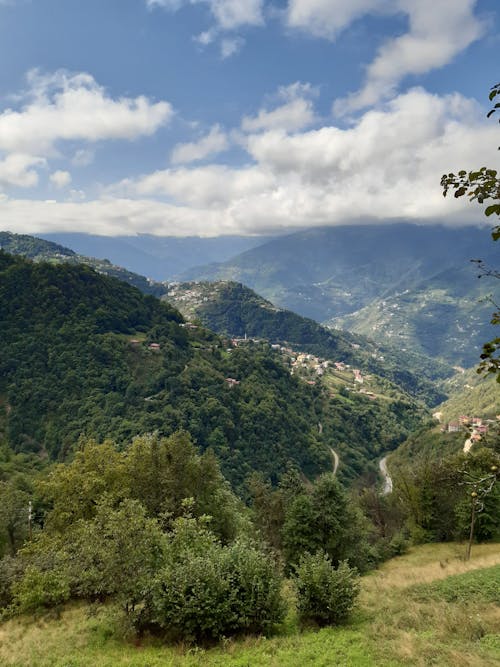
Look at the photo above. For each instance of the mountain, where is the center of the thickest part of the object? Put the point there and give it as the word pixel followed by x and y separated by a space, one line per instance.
pixel 328 274
pixel 447 316
pixel 232 309
pixel 40 250
pixel 86 353
pixel 470 394
pixel 158 257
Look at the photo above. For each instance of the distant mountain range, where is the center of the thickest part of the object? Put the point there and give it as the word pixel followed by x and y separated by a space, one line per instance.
pixel 409 284
pixel 447 316
pixel 158 258
pixel 40 250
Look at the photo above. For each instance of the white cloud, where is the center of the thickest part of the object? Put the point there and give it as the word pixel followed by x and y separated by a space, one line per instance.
pixel 326 18
pixel 60 178
pixel 205 38
pixel 112 217
pixel 228 14
pixel 230 46
pixel 295 114
pixel 213 185
pixel 83 157
pixel 17 169
pixel 291 116
pixel 387 166
pixel 214 142
pixel 67 106
pixel 438 31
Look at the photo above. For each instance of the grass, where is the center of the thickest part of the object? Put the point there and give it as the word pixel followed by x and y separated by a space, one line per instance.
pixel 477 585
pixel 408 614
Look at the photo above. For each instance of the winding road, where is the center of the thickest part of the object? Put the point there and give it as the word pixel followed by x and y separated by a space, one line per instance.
pixel 334 454
pixel 385 474
pixel 336 460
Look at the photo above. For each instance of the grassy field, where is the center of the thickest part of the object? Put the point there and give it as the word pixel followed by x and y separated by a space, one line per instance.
pixel 428 607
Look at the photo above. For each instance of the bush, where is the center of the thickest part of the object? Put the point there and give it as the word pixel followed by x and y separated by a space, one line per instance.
pixel 325 595
pixel 256 601
pixel 40 590
pixel 206 591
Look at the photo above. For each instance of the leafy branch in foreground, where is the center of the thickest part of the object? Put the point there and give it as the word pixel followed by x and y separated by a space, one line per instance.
pixel 483 186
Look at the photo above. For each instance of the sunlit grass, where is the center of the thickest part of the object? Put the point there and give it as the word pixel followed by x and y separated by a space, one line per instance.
pixel 392 626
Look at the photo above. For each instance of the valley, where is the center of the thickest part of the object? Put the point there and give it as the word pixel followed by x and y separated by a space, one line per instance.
pixel 249 333
pixel 212 423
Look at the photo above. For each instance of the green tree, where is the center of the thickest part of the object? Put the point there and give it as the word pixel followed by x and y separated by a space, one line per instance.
pixel 206 590
pixel 164 472
pixel 325 518
pixel 73 491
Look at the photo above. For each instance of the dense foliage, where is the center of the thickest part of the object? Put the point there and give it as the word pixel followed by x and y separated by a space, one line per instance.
pixel 432 489
pixel 69 365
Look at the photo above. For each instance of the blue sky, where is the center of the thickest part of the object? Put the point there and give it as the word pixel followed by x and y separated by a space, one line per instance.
pixel 180 117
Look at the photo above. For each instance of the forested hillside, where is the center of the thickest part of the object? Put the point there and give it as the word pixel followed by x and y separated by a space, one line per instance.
pixel 231 308
pixel 83 353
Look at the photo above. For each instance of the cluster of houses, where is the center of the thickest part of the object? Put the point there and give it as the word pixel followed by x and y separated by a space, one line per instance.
pixel 476 425
pixel 308 361
pixel 154 347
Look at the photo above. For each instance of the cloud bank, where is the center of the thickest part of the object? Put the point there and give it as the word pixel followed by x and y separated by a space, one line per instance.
pixel 387 166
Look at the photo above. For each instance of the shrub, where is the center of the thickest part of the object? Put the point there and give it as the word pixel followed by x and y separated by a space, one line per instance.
pixel 325 595
pixel 206 591
pixel 40 590
pixel 256 601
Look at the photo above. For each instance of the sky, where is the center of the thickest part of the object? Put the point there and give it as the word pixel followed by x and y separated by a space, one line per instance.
pixel 217 117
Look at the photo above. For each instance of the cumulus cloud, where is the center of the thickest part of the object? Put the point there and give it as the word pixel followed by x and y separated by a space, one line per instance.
pixel 19 170
pixel 65 106
pixel 213 185
pixel 296 113
pixel 205 38
pixel 214 142
pixel 327 18
pixel 387 166
pixel 83 157
pixel 228 14
pixel 230 46
pixel 384 167
pixel 438 31
pixel 60 178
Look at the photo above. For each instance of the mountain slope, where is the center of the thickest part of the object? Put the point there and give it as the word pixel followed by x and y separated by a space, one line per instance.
pixel 159 258
pixel 330 272
pixel 447 316
pixel 85 353
pixel 233 309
